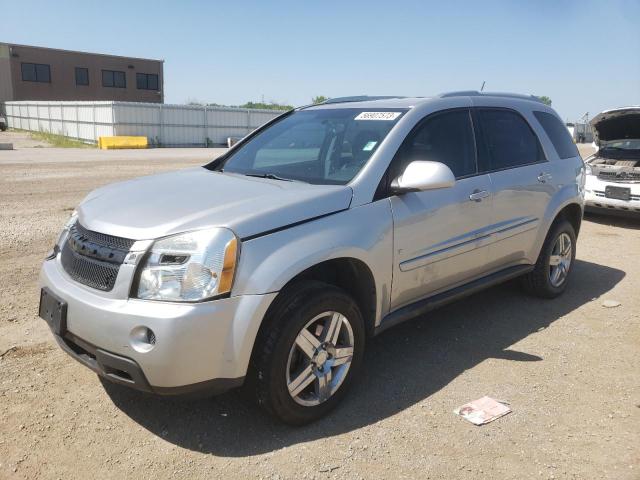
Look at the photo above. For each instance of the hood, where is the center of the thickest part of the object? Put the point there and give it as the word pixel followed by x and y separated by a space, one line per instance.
pixel 618 124
pixel 159 205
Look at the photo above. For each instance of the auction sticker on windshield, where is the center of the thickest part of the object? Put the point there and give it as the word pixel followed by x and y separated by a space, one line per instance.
pixel 378 115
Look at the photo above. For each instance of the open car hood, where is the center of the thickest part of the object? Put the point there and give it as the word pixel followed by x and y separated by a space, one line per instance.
pixel 617 124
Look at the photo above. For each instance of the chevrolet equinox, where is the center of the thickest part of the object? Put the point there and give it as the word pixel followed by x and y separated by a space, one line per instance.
pixel 270 267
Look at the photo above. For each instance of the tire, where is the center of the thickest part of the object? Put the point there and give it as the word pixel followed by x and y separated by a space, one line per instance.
pixel 278 363
pixel 541 281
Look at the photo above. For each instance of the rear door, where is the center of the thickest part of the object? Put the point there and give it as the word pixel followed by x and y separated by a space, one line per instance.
pixel 440 235
pixel 510 151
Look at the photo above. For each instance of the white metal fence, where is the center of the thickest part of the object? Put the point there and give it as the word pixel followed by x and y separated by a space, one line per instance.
pixel 163 125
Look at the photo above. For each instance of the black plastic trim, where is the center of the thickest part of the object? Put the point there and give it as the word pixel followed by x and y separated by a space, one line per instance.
pixel 431 303
pixel 125 371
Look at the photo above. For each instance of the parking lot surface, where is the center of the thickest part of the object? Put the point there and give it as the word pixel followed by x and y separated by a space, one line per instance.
pixel 568 368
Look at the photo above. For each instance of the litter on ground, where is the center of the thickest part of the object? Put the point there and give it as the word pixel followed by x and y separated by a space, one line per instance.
pixel 483 410
pixel 611 303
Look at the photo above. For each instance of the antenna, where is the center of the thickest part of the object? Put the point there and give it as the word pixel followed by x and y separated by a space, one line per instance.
pixel 482 87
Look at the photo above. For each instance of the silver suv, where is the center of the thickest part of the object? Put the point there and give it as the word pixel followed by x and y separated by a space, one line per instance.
pixel 274 264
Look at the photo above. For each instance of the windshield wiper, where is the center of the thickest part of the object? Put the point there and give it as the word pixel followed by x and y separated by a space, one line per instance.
pixel 272 176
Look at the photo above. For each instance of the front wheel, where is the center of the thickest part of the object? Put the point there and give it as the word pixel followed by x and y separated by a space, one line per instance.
pixel 308 352
pixel 550 275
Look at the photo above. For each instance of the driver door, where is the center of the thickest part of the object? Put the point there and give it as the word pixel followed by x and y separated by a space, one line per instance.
pixel 440 236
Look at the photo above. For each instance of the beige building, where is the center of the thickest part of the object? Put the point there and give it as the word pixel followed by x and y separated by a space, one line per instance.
pixel 37 73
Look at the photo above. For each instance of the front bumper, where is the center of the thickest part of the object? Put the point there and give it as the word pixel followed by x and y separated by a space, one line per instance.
pixel 595 199
pixel 197 346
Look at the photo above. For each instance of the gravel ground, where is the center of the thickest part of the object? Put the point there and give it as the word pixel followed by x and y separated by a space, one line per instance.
pixel 568 368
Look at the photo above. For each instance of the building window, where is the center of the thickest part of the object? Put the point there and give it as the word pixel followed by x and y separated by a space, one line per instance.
pixel 113 78
pixel 82 76
pixel 147 81
pixel 36 72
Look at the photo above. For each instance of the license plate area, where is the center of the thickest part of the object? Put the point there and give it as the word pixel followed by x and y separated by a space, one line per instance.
pixel 53 310
pixel 618 193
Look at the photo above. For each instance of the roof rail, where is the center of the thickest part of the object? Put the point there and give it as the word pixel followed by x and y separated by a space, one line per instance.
pixel 475 93
pixel 360 98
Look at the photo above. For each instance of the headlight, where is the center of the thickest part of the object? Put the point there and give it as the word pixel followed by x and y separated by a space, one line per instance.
pixel 587 169
pixel 189 267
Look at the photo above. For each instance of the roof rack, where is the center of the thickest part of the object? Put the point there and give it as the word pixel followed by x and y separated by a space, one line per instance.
pixel 475 93
pixel 359 98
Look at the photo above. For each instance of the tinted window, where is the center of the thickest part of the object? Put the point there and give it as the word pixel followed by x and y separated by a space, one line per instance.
pixel 507 140
pixel 141 81
pixel 152 82
pixel 323 146
pixel 28 72
pixel 558 134
pixel 119 80
pixel 82 76
pixel 146 81
pixel 43 74
pixel 446 138
pixel 36 72
pixel 111 78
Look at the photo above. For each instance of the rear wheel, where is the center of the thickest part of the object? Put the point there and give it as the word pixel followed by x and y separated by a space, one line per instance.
pixel 308 352
pixel 551 272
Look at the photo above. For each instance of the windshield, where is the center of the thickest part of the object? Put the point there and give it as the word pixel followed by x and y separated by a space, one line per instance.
pixel 321 146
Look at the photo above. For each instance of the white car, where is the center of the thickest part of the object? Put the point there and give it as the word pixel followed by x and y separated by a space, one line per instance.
pixel 613 172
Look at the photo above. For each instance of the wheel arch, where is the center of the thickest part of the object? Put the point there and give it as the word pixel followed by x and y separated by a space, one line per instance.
pixel 571 212
pixel 349 274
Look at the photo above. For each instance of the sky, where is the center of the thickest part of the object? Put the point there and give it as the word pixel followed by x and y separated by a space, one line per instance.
pixel 584 55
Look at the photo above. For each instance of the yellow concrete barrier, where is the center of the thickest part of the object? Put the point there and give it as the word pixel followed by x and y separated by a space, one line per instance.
pixel 107 143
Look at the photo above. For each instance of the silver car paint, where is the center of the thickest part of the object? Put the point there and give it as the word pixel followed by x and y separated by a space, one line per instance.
pixel 195 198
pixel 415 244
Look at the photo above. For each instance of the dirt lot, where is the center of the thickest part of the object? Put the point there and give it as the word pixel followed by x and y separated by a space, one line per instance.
pixel 568 368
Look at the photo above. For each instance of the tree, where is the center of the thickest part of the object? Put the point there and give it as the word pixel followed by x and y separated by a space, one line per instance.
pixel 319 99
pixel 544 99
pixel 266 106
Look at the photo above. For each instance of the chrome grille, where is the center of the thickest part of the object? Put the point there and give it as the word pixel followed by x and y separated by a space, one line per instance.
pixel 93 258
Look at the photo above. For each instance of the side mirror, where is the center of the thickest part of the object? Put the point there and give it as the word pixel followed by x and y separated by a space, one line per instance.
pixel 423 175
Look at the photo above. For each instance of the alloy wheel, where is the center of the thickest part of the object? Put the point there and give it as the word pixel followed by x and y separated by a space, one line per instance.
pixel 560 260
pixel 320 358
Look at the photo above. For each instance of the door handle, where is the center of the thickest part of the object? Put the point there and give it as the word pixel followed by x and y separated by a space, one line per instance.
pixel 478 195
pixel 544 177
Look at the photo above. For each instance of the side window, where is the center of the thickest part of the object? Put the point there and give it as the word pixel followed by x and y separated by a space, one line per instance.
pixel 507 140
pixel 558 134
pixel 444 137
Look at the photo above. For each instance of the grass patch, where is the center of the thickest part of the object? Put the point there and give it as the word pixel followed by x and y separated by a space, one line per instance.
pixel 60 141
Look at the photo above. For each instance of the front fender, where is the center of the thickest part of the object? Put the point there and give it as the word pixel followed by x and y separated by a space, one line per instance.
pixel 364 233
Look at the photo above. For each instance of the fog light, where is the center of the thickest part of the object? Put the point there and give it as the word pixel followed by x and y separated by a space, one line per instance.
pixel 142 339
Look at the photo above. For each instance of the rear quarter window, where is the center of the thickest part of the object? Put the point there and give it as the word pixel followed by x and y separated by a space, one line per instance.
pixel 558 134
